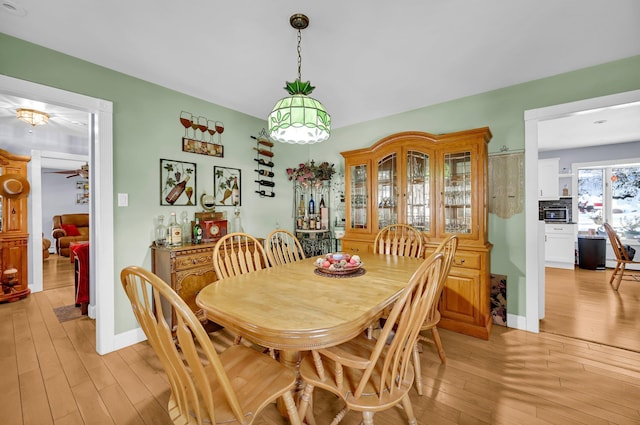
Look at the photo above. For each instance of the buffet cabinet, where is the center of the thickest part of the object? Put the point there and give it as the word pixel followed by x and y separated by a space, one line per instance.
pixel 14 230
pixel 437 184
pixel 188 269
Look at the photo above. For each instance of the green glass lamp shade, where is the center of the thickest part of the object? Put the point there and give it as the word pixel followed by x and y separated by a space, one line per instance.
pixel 299 119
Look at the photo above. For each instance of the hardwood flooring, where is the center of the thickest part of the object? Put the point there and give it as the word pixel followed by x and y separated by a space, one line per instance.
pixel 581 304
pixel 57 272
pixel 51 374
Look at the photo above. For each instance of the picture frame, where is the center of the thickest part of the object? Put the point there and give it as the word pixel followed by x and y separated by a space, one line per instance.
pixel 82 198
pixel 202 148
pixel 227 186
pixel 172 176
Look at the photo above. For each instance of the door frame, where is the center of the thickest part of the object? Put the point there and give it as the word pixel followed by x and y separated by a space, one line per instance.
pixel 101 200
pixel 534 276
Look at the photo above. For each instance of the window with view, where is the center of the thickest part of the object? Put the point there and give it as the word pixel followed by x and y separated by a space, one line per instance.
pixel 610 193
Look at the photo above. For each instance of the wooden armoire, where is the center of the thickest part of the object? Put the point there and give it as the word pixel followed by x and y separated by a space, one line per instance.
pixel 438 184
pixel 14 235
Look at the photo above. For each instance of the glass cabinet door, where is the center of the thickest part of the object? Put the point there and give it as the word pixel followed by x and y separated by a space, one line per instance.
pixel 457 192
pixel 387 191
pixel 418 211
pixel 359 197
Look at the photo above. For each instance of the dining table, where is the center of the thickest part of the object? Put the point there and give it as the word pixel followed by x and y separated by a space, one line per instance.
pixel 294 307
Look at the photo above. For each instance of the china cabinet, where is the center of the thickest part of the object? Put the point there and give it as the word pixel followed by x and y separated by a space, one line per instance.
pixel 438 184
pixel 14 233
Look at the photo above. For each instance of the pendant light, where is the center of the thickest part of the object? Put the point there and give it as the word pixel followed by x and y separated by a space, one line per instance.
pixel 299 119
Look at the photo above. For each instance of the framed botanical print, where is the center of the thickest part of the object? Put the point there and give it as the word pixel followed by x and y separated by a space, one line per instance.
pixel 226 182
pixel 177 182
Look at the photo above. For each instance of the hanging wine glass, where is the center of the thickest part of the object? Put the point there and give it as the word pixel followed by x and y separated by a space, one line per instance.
pixel 202 126
pixel 211 128
pixel 220 130
pixel 186 119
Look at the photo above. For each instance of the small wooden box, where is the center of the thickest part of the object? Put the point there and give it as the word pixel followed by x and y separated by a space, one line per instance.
pixel 209 216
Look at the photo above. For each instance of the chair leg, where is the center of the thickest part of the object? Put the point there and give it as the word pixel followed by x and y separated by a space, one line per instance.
pixel 341 414
pixel 619 273
pixel 438 342
pixel 408 408
pixel 304 402
pixel 294 418
pixel 417 369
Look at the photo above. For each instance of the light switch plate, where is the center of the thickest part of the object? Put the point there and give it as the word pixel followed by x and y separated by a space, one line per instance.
pixel 123 199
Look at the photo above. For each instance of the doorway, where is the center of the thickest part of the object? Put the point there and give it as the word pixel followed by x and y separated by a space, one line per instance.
pixel 535 283
pixel 101 207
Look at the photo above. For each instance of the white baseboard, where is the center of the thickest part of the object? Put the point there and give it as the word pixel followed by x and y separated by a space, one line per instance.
pixel 516 322
pixel 128 338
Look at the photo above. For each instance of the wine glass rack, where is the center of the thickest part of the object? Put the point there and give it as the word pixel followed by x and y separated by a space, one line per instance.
pixel 264 170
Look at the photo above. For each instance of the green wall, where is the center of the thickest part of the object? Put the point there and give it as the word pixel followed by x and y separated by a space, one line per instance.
pixel 146 128
pixel 503 111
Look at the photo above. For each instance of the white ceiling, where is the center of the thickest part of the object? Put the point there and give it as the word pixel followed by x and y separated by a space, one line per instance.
pixel 368 59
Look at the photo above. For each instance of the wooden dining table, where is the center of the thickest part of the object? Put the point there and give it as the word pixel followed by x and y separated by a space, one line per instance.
pixel 291 308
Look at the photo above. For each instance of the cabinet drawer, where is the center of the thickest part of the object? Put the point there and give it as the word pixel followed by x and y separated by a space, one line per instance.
pixel 559 228
pixel 193 260
pixel 464 259
pixel 353 247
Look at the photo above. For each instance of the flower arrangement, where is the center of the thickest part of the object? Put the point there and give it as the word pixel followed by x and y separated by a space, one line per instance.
pixel 310 172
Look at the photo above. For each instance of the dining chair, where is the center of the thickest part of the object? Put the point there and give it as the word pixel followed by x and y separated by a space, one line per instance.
pixel 230 387
pixel 623 259
pixel 448 249
pixel 238 253
pixel 283 247
pixel 399 239
pixel 371 375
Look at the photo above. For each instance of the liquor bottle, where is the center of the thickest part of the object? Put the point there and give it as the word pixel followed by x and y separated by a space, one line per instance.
pixel 235 192
pixel 301 206
pixel 177 191
pixel 322 201
pixel 263 162
pixel 197 232
pixel 161 232
pixel 265 183
pixel 312 205
pixel 175 231
pixel 318 223
pixel 265 173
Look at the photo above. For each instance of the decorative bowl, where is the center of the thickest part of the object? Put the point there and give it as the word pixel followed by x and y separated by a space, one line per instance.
pixel 338 263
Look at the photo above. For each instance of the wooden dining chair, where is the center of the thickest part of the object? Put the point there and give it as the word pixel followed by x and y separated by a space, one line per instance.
pixel 623 259
pixel 238 253
pixel 371 375
pixel 399 239
pixel 283 247
pixel 206 387
pixel 448 249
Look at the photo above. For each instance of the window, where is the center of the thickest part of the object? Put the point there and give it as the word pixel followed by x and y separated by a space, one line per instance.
pixel 611 193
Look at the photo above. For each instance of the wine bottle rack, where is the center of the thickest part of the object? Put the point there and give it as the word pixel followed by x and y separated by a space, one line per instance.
pixel 264 160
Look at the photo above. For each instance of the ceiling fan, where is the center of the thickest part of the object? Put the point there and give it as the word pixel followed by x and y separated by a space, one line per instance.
pixel 81 172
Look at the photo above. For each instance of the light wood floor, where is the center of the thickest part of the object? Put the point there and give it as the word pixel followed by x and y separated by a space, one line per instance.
pixel 580 303
pixel 50 374
pixel 57 272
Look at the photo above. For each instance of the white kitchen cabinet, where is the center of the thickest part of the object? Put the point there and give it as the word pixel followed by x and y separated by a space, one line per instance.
pixel 559 245
pixel 548 179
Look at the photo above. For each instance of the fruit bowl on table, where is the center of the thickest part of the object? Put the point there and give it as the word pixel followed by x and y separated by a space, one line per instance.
pixel 338 263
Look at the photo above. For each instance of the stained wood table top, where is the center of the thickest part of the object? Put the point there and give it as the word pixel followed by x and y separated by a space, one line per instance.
pixel 290 307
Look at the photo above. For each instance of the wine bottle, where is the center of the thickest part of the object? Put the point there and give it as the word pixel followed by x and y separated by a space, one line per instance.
pixel 264 152
pixel 177 191
pixel 322 201
pixel 264 193
pixel 197 232
pixel 301 206
pixel 312 205
pixel 263 141
pixel 235 192
pixel 263 162
pixel 265 183
pixel 265 173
